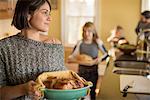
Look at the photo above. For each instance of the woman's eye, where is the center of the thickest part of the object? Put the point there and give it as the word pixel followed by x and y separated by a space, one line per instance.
pixel 46 13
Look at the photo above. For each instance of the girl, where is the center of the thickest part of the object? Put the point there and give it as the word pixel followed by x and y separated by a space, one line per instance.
pixel 89 45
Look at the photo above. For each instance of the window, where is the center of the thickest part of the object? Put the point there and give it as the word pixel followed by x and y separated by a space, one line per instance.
pixel 145 5
pixel 74 14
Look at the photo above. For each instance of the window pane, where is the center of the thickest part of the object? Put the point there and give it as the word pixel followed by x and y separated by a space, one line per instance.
pixel 80 7
pixel 75 28
pixel 145 5
pixel 76 14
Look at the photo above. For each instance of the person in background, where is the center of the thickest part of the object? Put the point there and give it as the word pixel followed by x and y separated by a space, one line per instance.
pixel 115 39
pixel 143 27
pixel 89 45
pixel 29 53
pixel 144 22
pixel 117 36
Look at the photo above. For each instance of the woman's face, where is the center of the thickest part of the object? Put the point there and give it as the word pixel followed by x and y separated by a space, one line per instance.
pixel 88 34
pixel 40 19
pixel 143 19
pixel 148 20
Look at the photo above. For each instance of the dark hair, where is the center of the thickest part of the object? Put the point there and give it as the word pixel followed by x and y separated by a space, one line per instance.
pixel 23 8
pixel 146 14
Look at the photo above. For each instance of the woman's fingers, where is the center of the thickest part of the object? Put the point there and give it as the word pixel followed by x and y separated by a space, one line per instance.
pixel 36 93
pixel 53 41
pixel 56 41
pixel 32 91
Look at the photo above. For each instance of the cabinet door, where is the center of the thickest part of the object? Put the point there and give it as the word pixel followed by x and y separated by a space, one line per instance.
pixel 7 8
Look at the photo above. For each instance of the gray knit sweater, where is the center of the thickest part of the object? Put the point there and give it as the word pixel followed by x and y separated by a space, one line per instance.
pixel 23 59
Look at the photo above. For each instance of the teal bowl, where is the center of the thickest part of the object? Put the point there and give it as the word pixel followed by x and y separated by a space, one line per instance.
pixel 74 94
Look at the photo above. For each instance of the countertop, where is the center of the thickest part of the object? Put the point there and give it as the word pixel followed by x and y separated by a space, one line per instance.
pixel 139 84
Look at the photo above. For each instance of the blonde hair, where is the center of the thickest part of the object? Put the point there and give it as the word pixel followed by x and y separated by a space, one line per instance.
pixel 91 26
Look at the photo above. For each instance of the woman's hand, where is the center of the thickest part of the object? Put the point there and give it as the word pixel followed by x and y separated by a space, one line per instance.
pixel 13 92
pixel 32 91
pixel 52 41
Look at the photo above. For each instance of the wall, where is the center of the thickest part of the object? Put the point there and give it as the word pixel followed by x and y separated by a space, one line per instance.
pixel 119 12
pixel 55 24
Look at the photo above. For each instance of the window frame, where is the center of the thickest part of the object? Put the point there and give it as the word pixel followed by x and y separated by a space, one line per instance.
pixel 145 5
pixel 63 20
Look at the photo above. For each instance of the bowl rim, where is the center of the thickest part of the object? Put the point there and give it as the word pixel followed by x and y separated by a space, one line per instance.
pixel 121 48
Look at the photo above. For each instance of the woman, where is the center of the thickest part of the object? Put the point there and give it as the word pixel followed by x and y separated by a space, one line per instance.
pixel 29 53
pixel 144 22
pixel 89 45
pixel 143 27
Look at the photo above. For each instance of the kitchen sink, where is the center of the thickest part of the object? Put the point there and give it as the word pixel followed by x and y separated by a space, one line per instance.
pixel 131 64
pixel 128 65
pixel 131 71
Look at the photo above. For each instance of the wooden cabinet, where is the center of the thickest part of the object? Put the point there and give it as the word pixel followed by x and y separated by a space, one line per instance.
pixel 7 8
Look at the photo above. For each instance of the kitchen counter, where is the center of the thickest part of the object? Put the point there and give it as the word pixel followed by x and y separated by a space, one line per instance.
pixel 139 84
pixel 132 74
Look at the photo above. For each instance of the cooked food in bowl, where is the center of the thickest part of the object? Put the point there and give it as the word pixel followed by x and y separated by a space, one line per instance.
pixel 62 85
pixel 127 48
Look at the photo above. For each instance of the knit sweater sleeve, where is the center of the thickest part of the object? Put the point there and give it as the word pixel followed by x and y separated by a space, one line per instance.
pixel 58 58
pixel 2 72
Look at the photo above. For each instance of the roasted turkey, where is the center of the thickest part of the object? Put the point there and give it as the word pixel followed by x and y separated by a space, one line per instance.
pixel 63 83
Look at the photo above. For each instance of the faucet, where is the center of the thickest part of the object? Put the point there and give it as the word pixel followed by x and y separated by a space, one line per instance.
pixel 129 85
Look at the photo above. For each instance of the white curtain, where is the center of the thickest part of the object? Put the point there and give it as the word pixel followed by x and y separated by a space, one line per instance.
pixel 145 5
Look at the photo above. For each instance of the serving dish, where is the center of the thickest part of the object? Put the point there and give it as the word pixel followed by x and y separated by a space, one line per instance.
pixel 73 94
pixel 127 48
pixel 62 94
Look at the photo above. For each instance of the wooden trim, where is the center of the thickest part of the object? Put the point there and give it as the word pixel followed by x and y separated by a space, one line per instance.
pixel 7 8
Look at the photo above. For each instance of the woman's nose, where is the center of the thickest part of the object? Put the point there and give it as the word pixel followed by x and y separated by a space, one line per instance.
pixel 49 18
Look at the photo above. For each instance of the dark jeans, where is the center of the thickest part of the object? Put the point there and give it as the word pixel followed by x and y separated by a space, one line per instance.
pixel 90 73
